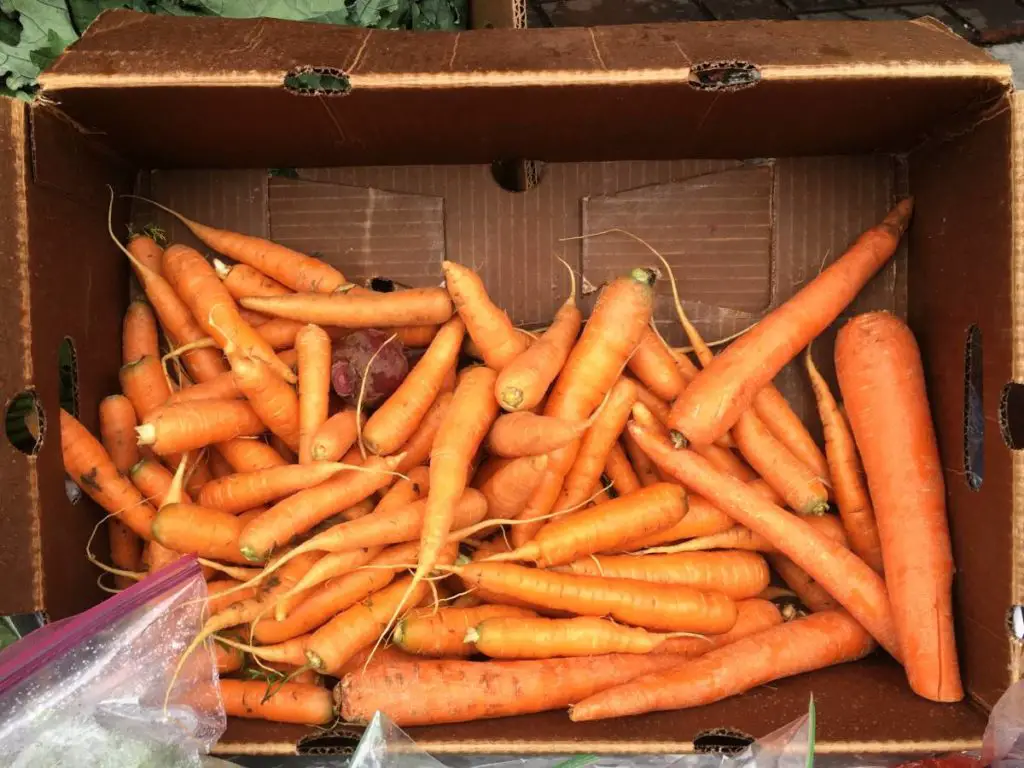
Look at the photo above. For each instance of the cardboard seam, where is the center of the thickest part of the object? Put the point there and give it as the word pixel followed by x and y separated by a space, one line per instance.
pixel 1017 278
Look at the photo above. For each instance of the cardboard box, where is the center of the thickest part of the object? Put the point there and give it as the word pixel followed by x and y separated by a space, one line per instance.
pixel 661 130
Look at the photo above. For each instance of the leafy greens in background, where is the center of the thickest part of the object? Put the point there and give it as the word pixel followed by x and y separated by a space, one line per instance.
pixel 35 32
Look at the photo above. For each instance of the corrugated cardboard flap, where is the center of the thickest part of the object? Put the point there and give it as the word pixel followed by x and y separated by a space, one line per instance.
pixel 1011 421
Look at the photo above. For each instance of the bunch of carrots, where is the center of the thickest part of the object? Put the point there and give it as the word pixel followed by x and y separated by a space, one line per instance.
pixel 586 518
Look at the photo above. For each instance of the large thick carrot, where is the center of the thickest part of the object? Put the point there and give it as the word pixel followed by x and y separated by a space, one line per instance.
pixel 313 346
pixel 303 510
pixel 272 398
pixel 523 382
pixel 739 575
pixel 396 420
pixel 529 434
pixel 300 703
pixel 710 405
pixel 655 366
pixel 334 437
pixel 605 527
pixel 847 474
pixel 509 483
pixel 249 454
pixel 196 530
pixel 428 691
pixel 359 309
pixel 139 333
pixel 847 578
pixel 443 634
pixel 880 375
pixel 488 325
pixel 92 470
pixel 291 268
pixel 194 280
pixel 197 424
pixel 668 607
pixel 238 492
pixel 702 519
pixel 819 640
pixel 543 638
pixel 243 281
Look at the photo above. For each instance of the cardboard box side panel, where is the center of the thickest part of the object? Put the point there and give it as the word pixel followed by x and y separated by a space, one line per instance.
pixel 564 121
pixel 960 245
pixel 1017 653
pixel 19 544
pixel 78 281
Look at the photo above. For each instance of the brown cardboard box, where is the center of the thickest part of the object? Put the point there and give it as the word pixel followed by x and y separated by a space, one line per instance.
pixel 661 130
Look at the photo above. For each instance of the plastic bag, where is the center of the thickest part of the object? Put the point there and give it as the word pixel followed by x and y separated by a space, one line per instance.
pixel 89 691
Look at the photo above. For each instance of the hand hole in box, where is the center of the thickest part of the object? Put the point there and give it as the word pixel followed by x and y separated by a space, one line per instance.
pixel 516 175
pixel 67 387
pixel 24 422
pixel 974 413
pixel 724 75
pixel 1015 622
pixel 721 741
pixel 1011 415
pixel 317 81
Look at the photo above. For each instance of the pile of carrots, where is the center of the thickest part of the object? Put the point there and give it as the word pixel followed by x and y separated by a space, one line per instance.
pixel 586 518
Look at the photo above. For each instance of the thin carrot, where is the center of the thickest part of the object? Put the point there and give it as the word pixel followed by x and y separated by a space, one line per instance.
pixel 739 575
pixel 227 660
pixel 359 309
pixel 299 703
pixel 620 471
pixel 139 334
pixel 847 578
pixel 196 530
pixel 658 407
pixel 417 448
pixel 543 638
pixel 215 603
pixel 881 377
pixel 331 566
pixel 656 367
pixel 710 405
pixel 846 472
pixel 487 325
pixel 510 485
pixel 291 652
pixel 753 615
pixel 334 437
pixel 524 380
pixel 154 480
pixel 819 640
pixel 145 384
pixel 249 454
pixel 117 431
pixel 417 336
pixel 642 465
pixel 280 334
pixel 398 417
pixel 666 607
pixel 220 387
pixel 236 493
pixel 125 550
pixel 702 519
pixel 243 281
pixel 406 491
pixel 429 691
pixel 146 251
pixel 443 634
pixel 313 346
pixel 528 434
pixel 93 471
pixel 291 268
pixel 187 426
pixel 273 399
pixel 778 416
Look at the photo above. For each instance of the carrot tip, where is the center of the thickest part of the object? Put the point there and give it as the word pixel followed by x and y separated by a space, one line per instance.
pixel 818 509
pixel 471 635
pixel 146 434
pixel 222 269
pixel 252 555
pixel 644 275
pixel 314 660
pixel 678 439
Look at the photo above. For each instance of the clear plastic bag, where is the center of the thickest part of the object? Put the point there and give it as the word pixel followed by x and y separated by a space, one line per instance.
pixel 90 691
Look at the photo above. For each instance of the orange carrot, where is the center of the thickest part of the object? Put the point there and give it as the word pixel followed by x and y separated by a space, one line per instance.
pixel 299 703
pixel 527 434
pixel 329 567
pixel 620 471
pixel 215 602
pixel 846 473
pixel 187 426
pixel 154 480
pixel 334 437
pixel 775 412
pixel 667 607
pixel 702 519
pixel 847 578
pixel 291 268
pixel 139 335
pixel 443 634
pixel 399 416
pixel 645 470
pixel 148 252
pixel 417 336
pixel 543 638
pixel 753 615
pixel 313 346
pixel 273 400
pixel 359 309
pixel 739 575
pixel 243 281
pixel 145 384
pixel 509 485
pixel 220 387
pixel 196 530
pixel 658 407
pixel 430 691
pixel 488 325
pixel 417 448
pixel 413 488
pixel 125 550
pixel 238 492
pixel 817 641
pixel 117 431
pixel 279 334
pixel 656 367
pixel 93 471
pixel 710 405
pixel 523 381
pixel 249 454
pixel 881 377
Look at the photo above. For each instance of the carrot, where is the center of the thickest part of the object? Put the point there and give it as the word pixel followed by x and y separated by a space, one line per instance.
pixel 196 530
pixel 417 448
pixel 144 383
pixel 154 480
pixel 243 281
pixel 334 437
pixel 710 405
pixel 227 660
pixel 398 417
pixel 752 616
pixel 417 336
pixel 221 387
pixel 330 566
pixel 508 487
pixel 702 519
pixel 187 426
pixel 139 335
pixel 291 652
pixel 301 511
pixel 148 252
pixel 658 407
pixel 313 346
pixel 605 527
pixel 291 268
pixel 413 488
pixel 279 334
pixel 443 634
pixel 215 311
pixel 543 638
pixel 655 366
pixel 645 470
pixel 236 493
pixel 125 550
pixel 93 471
pixel 620 471
pixel 846 472
pixel 273 400
pixel 498 341
pixel 523 381
pixel 359 309
pixel 527 434
pixel 249 454
pixel 738 575
pixel 881 378
pixel 427 692
pixel 299 703
pixel 371 658
pixel 847 578
pixel 817 641
pixel 215 603
pixel 117 431
pixel 653 606
pixel 779 418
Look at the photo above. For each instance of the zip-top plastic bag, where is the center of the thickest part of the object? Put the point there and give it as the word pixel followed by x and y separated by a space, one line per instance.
pixel 92 691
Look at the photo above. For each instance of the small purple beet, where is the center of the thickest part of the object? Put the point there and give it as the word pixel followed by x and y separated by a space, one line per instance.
pixel 350 358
